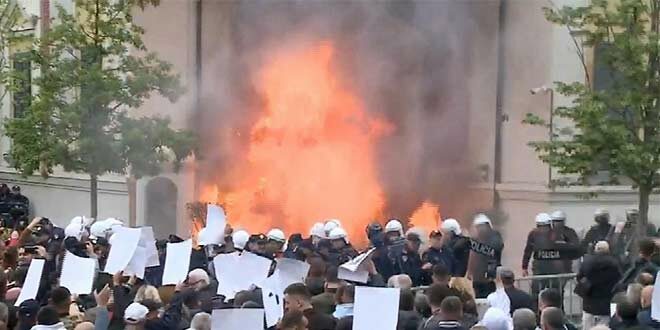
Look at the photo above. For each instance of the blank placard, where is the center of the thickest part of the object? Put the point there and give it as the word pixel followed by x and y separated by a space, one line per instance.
pixel 177 261
pixel 237 319
pixel 376 308
pixel 32 281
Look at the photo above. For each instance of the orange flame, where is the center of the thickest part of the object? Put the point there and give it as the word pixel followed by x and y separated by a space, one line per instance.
pixel 311 151
pixel 426 216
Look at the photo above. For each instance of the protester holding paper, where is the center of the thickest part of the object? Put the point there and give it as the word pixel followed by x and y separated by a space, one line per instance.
pixel 319 282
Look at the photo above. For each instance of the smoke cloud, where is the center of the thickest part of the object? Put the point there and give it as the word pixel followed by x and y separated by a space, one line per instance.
pixel 408 61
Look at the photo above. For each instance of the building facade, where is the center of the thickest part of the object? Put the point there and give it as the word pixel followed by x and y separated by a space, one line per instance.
pixel 518 51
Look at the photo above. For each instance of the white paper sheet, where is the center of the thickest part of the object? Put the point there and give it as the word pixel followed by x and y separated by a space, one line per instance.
pixel 237 319
pixel 137 264
pixel 291 271
pixel 216 220
pixel 125 242
pixel 360 276
pixel 612 310
pixel 655 299
pixel 177 262
pixel 375 308
pixel 273 306
pixel 148 242
pixel 78 273
pixel 239 272
pixel 357 262
pixel 32 281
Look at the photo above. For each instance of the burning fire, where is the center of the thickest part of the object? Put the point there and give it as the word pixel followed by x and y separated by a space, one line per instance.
pixel 426 216
pixel 311 153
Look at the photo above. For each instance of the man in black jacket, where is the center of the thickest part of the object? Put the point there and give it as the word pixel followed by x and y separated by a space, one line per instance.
pixel 648 262
pixel 297 297
pixel 519 298
pixel 601 231
pixel 598 275
pixel 447 317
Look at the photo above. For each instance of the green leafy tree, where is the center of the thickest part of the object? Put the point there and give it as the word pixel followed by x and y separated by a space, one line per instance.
pixel 93 69
pixel 618 126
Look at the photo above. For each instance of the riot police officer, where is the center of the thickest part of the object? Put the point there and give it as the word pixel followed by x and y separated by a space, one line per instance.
pixel 486 247
pixel 458 244
pixel 540 246
pixel 395 244
pixel 566 241
pixel 625 236
pixel 437 254
pixel 341 247
pixel 601 231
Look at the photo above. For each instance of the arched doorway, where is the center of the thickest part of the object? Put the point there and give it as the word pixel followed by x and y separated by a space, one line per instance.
pixel 161 200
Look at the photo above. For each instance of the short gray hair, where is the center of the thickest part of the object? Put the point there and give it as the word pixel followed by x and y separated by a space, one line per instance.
pixel 524 319
pixel 201 321
pixel 401 281
pixel 602 247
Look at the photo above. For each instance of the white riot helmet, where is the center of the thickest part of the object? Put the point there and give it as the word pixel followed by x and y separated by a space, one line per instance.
pixel 482 219
pixel 240 238
pixel 338 233
pixel 277 235
pixel 317 230
pixel 336 221
pixel 394 226
pixel 542 219
pixel 558 215
pixel 329 226
pixel 100 229
pixel 452 225
pixel 74 230
pixel 81 220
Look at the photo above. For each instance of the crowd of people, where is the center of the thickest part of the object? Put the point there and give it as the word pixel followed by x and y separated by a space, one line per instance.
pixel 450 278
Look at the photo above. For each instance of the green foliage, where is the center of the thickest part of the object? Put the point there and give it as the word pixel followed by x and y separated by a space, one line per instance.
pixel 619 126
pixel 94 69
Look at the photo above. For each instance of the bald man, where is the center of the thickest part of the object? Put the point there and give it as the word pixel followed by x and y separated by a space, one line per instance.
pixel 644 316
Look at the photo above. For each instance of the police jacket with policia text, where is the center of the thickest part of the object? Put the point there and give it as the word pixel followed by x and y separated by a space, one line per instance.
pixel 486 250
pixel 539 245
pixel 552 250
pixel 567 242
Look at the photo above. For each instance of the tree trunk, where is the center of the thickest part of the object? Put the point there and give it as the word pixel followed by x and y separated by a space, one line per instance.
pixel 644 194
pixel 93 194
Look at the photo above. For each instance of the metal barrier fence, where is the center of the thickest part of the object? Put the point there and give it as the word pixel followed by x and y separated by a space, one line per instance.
pixel 565 283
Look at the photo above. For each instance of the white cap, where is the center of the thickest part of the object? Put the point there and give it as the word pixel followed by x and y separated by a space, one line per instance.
pixel 452 225
pixel 329 226
pixel 317 230
pixel 338 233
pixel 558 215
pixel 74 230
pixel 240 238
pixel 542 219
pixel 135 313
pixel 481 219
pixel 276 235
pixel 394 225
pixel 601 212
